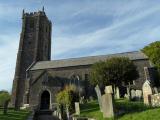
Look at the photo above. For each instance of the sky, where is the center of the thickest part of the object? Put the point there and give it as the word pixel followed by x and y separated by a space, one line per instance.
pixel 80 28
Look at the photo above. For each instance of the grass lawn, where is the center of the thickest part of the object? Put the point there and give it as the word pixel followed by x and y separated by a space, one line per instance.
pixel 152 114
pixel 133 111
pixel 91 110
pixel 14 115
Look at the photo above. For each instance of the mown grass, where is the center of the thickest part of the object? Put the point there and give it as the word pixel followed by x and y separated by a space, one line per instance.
pixel 91 110
pixel 14 115
pixel 152 114
pixel 127 106
pixel 129 111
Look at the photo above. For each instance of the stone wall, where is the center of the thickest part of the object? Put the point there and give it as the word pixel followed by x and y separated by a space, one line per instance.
pixel 53 80
pixel 38 86
pixel 155 100
pixel 56 78
pixel 63 76
pixel 34 45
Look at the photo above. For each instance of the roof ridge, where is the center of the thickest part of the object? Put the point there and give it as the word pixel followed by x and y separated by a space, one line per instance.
pixel 136 55
pixel 92 56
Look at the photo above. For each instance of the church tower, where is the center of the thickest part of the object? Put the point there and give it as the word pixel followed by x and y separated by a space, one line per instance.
pixel 34 45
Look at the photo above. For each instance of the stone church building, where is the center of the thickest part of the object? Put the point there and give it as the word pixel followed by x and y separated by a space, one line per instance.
pixel 38 78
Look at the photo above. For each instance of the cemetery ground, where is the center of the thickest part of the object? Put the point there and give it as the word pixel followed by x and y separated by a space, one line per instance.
pixel 14 115
pixel 129 110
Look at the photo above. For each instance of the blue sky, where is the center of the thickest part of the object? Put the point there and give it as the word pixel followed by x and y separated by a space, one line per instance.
pixel 80 28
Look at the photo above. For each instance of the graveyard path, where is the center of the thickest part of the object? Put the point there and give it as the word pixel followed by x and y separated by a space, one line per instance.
pixel 47 117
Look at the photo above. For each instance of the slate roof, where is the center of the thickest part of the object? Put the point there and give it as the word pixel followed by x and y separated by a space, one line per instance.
pixel 136 55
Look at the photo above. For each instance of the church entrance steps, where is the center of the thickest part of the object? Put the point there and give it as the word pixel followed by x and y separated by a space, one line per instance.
pixel 44 112
pixel 31 117
pixel 44 115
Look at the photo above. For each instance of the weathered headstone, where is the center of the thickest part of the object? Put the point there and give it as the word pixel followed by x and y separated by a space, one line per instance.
pixel 133 94
pixel 81 100
pixel 108 103
pixel 138 94
pixel 108 89
pixel 128 96
pixel 77 108
pixel 99 96
pixel 155 100
pixel 146 88
pixel 147 92
pixel 117 93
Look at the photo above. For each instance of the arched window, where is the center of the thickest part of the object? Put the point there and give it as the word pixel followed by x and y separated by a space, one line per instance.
pixel 74 79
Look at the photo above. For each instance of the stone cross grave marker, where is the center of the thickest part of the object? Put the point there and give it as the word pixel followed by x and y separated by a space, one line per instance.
pixel 98 92
pixel 147 88
pixel 148 75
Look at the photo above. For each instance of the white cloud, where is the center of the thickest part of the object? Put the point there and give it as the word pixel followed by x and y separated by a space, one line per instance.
pixel 110 35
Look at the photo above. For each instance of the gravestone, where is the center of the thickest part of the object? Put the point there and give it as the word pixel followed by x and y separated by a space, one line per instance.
pixel 147 92
pixel 138 94
pixel 108 103
pixel 147 87
pixel 128 95
pixel 117 95
pixel 99 96
pixel 155 90
pixel 82 100
pixel 108 89
pixel 77 108
pixel 133 94
pixel 155 100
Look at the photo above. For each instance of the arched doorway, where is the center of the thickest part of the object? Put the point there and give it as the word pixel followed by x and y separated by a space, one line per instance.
pixel 45 100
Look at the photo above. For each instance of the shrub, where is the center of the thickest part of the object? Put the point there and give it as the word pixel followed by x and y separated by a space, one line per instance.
pixel 113 71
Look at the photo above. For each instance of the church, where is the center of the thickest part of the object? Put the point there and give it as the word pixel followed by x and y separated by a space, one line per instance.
pixel 38 78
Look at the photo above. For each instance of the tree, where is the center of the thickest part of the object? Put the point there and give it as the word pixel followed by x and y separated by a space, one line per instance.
pixel 153 52
pixel 4 96
pixel 64 99
pixel 4 100
pixel 67 97
pixel 113 71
